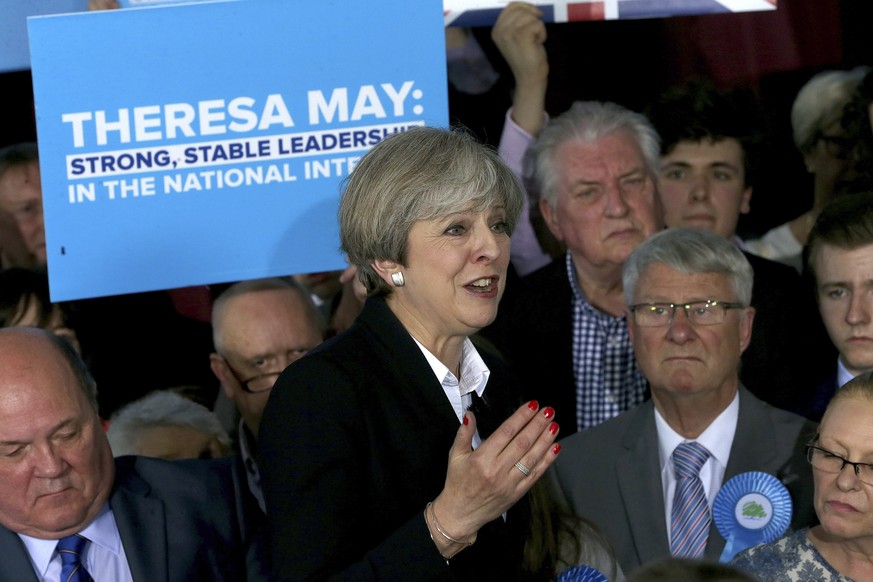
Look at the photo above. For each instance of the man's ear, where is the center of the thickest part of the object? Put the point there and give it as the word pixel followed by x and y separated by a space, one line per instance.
pixel 809 162
pixel 551 219
pixel 222 372
pixel 748 318
pixel 746 200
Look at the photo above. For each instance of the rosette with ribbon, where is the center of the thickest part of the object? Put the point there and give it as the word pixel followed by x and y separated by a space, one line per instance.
pixel 750 509
pixel 582 574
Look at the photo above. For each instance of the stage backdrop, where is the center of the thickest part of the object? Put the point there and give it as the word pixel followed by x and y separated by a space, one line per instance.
pixel 203 143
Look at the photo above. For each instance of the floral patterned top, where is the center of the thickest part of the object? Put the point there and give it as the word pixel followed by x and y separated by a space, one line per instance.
pixel 792 558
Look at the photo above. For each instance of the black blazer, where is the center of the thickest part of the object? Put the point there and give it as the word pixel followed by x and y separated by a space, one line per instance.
pixel 353 444
pixel 178 521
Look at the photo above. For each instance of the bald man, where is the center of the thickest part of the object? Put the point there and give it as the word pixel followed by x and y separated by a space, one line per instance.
pixel 259 327
pixel 129 518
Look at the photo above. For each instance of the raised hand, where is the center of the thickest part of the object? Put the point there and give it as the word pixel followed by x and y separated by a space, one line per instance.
pixel 483 484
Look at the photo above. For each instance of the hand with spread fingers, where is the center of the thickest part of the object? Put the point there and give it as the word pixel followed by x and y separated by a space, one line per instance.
pixel 482 484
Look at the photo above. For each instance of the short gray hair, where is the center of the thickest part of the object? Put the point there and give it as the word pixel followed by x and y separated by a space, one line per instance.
pixel 254 286
pixel 160 408
pixel 423 173
pixel 585 122
pixel 689 251
pixel 819 104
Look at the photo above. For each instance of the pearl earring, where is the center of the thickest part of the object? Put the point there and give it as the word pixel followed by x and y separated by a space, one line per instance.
pixel 397 278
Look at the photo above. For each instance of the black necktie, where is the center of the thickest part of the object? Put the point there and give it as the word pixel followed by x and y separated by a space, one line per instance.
pixel 484 415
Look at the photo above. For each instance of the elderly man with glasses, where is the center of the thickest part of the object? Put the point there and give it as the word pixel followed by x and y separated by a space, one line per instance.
pixel 687 294
pixel 259 327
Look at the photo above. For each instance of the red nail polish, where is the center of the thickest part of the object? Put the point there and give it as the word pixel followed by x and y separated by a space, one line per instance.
pixel 556 449
pixel 533 405
pixel 466 420
pixel 553 428
pixel 548 412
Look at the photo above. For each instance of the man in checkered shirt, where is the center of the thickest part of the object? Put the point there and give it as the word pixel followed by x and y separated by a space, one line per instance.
pixel 562 327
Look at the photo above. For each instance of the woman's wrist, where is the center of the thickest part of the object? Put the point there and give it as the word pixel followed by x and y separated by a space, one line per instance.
pixel 447 544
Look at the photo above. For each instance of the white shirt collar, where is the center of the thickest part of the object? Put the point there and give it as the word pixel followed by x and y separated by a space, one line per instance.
pixel 474 372
pixel 717 438
pixel 102 531
pixel 474 377
pixel 843 375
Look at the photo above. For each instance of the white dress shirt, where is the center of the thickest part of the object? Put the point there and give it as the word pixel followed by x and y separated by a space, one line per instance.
pixel 717 438
pixel 474 376
pixel 104 556
pixel 843 375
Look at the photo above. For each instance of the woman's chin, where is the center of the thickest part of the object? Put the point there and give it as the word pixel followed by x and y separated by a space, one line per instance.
pixel 478 323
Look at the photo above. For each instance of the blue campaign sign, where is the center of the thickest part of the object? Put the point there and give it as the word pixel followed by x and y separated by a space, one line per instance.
pixel 204 143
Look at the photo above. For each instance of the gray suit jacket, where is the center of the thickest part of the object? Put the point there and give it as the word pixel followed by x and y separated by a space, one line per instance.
pixel 179 521
pixel 611 474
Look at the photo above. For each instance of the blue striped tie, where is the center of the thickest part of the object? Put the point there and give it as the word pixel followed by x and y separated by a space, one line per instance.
pixel 70 549
pixel 690 514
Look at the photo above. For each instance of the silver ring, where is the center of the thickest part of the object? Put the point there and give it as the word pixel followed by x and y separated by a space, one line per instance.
pixel 520 466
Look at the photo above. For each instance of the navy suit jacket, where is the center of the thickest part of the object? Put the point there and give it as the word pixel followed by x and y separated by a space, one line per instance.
pixel 611 474
pixel 353 444
pixel 178 520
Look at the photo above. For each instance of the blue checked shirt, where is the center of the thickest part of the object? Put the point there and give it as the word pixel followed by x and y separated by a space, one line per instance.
pixel 608 381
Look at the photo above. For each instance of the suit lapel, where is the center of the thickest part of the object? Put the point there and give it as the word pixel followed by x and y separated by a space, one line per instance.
pixel 754 428
pixel 639 480
pixel 389 336
pixel 142 526
pixel 15 564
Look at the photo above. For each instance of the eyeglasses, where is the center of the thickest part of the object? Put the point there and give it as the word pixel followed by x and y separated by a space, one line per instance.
pixel 708 312
pixel 255 384
pixel 829 462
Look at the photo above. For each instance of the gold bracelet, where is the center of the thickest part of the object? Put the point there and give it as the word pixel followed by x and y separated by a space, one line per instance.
pixel 436 524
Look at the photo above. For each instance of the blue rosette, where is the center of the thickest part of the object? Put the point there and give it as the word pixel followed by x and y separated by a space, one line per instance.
pixel 582 574
pixel 752 508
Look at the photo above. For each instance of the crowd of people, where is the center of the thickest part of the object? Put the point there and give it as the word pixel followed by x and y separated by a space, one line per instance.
pixel 544 361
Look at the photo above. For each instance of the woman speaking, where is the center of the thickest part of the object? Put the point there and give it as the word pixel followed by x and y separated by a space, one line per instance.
pixel 374 465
